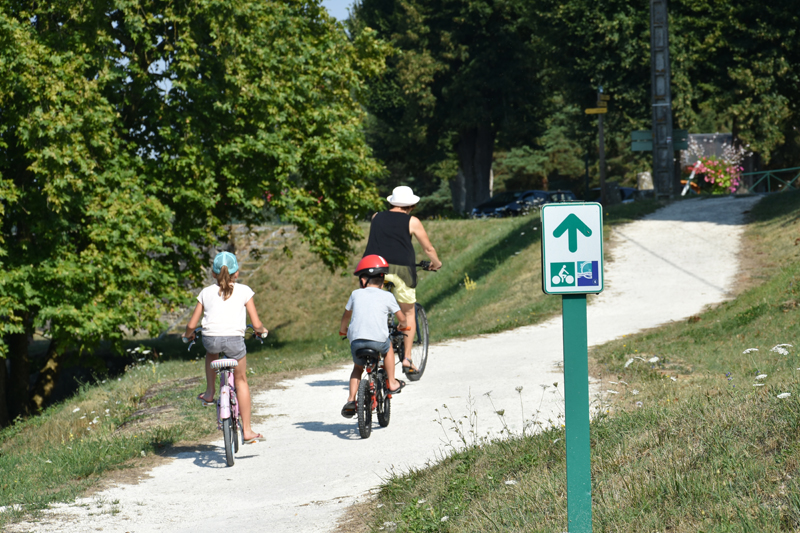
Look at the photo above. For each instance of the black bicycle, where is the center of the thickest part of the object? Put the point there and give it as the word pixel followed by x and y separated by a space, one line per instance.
pixel 419 348
pixel 372 394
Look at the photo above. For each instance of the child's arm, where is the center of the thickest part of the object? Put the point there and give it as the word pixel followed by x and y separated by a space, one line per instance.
pixel 402 325
pixel 196 316
pixel 345 322
pixel 253 313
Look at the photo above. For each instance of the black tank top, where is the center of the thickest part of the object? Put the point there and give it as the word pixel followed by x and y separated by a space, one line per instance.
pixel 389 238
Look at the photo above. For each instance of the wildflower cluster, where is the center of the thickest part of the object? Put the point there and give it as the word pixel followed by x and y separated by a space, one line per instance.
pixel 719 173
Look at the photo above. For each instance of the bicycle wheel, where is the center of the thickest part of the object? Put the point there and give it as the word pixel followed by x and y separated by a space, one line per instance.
pixel 237 427
pixel 364 409
pixel 384 403
pixel 419 349
pixel 227 433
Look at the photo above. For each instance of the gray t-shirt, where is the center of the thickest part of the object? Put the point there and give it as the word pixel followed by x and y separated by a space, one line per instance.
pixel 370 306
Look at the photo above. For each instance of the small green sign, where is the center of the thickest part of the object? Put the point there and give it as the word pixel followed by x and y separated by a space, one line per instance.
pixel 562 274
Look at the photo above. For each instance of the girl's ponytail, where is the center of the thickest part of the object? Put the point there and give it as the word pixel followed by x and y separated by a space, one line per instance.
pixel 225 283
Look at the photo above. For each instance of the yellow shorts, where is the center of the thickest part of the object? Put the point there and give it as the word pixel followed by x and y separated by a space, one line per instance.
pixel 401 291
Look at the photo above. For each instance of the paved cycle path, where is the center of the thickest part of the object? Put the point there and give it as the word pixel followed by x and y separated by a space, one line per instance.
pixel 313 465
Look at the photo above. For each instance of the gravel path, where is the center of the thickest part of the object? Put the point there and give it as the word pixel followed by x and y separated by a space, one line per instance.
pixel 313 465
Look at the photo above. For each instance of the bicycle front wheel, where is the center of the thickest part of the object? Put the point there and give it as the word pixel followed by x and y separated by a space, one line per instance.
pixel 419 349
pixel 364 409
pixel 227 433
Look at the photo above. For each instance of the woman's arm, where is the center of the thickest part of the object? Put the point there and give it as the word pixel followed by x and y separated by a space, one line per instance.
pixel 418 231
pixel 196 316
pixel 253 313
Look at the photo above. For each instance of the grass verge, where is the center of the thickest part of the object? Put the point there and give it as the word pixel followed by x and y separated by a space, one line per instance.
pixel 491 282
pixel 705 438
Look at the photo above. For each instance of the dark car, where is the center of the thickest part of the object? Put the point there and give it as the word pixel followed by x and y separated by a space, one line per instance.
pixel 511 203
pixel 496 205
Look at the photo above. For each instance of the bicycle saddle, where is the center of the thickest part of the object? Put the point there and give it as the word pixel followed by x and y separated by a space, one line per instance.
pixel 368 353
pixel 224 363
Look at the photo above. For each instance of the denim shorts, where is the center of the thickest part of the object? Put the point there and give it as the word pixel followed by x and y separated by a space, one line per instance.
pixel 378 346
pixel 232 347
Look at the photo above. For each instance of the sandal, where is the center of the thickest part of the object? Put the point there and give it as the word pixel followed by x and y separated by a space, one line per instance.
pixel 349 410
pixel 398 389
pixel 411 368
pixel 206 403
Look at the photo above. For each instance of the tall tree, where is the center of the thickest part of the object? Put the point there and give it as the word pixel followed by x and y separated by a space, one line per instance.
pixel 132 132
pixel 464 75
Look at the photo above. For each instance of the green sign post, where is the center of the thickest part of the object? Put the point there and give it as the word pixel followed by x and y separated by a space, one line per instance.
pixel 572 265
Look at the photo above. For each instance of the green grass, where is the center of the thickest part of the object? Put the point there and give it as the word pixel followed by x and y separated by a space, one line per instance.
pixel 697 447
pixel 58 455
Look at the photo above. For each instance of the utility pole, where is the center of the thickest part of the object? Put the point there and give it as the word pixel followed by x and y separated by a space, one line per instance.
pixel 664 178
pixel 601 102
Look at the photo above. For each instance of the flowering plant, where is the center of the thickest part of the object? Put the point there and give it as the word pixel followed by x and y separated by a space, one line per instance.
pixel 721 174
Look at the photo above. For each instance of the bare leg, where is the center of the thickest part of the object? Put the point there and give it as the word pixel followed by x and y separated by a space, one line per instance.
pixel 243 397
pixel 408 340
pixel 355 378
pixel 388 365
pixel 211 376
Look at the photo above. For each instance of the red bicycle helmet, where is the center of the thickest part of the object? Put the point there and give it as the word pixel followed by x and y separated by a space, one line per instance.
pixel 372 265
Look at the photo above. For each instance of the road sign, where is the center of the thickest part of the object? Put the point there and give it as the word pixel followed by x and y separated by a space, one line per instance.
pixel 604 97
pixel 642 140
pixel 596 110
pixel 572 248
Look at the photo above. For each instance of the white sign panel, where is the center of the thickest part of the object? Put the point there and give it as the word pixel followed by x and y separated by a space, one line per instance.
pixel 572 248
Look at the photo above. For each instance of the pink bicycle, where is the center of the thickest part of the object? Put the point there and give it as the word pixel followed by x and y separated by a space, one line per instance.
pixel 228 419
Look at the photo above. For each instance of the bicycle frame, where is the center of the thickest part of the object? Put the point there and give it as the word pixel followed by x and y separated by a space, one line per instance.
pixel 227 405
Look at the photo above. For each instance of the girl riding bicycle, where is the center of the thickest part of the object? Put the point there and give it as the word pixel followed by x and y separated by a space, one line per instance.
pixel 223 308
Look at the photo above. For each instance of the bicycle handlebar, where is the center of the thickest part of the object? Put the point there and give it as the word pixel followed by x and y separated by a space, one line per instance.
pixel 199 331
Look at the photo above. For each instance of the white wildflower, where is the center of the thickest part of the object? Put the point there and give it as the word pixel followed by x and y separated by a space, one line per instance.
pixel 76 409
pixel 639 404
pixel 444 519
pixel 624 382
pixel 81 418
pixel 380 505
pixel 49 461
pixel 784 395
pixel 613 383
pixel 628 362
pixel 511 482
pixel 653 359
pixel 780 349
pixel 761 376
pixel 634 392
pixel 758 384
pixel 750 350
pixel 421 501
pixel 612 391
pixel 143 454
pixel 673 378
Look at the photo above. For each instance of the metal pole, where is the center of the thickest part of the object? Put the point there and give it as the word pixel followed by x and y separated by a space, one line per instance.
pixel 588 191
pixel 602 161
pixel 576 399
pixel 664 179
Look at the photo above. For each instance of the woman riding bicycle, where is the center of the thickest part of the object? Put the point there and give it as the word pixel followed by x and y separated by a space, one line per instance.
pixel 390 237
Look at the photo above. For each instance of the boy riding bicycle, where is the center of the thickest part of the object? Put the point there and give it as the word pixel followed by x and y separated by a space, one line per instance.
pixel 364 323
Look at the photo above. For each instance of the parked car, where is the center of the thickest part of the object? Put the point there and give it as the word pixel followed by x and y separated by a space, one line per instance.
pixel 516 203
pixel 510 203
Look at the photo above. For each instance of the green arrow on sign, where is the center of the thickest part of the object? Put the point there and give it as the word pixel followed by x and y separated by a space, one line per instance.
pixel 572 225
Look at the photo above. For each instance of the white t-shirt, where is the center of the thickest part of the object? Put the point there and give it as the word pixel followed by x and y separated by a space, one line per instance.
pixel 370 306
pixel 224 318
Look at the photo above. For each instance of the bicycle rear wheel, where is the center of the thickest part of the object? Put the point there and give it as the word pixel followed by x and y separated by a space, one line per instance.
pixel 237 428
pixel 364 409
pixel 419 349
pixel 227 433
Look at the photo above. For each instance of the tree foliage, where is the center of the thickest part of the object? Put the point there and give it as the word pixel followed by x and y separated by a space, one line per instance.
pixel 133 131
pixel 464 73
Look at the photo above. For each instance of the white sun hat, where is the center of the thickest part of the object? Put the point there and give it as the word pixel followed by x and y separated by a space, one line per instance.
pixel 403 197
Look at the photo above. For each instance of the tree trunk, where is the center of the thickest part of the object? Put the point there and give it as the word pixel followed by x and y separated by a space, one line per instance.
pixel 48 377
pixel 18 390
pixel 475 148
pixel 4 420
pixel 458 192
